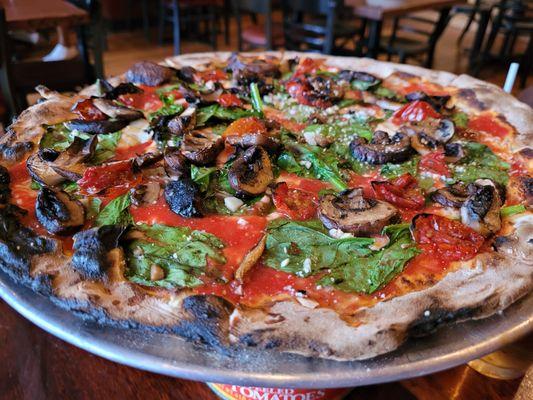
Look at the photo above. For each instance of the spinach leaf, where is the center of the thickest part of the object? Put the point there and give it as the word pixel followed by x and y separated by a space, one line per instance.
pixel 115 212
pixel 94 207
pixel 289 244
pixel 179 251
pixel 340 130
pixel 363 85
pixel 257 102
pixel 105 149
pixel 346 103
pixel 480 162
pixel 460 119
pixel 202 176
pixel 324 164
pixel 204 114
pixel 391 170
pixel 287 161
pixel 381 91
pixel 170 107
pixel 368 274
pixel 304 249
pixel 512 210
pixel 59 137
pixel 70 187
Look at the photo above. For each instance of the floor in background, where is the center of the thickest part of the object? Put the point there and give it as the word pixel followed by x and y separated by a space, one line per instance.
pixel 125 48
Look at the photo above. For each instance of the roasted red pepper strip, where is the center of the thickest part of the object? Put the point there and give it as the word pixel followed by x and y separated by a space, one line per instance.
pixel 448 239
pixel 229 100
pixel 401 192
pixel 112 175
pixel 415 111
pixel 295 204
pixel 88 111
pixel 434 162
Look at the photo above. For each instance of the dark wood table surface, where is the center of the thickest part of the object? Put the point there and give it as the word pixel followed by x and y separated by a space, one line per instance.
pixel 37 366
pixel 42 14
pixel 376 11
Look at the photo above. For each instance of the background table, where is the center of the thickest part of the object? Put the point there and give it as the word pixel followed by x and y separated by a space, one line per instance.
pixel 376 11
pixel 42 14
pixel 35 365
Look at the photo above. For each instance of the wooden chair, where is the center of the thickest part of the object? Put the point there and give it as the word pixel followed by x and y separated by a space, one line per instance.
pixel 514 19
pixel 268 36
pixel 18 78
pixel 199 18
pixel 415 36
pixel 316 26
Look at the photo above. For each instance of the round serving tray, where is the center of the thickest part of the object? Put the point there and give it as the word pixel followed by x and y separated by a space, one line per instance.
pixel 170 355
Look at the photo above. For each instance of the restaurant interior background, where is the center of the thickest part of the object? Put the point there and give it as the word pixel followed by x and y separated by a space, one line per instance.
pixel 479 37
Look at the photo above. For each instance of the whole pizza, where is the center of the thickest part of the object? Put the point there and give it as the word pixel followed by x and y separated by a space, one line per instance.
pixel 325 206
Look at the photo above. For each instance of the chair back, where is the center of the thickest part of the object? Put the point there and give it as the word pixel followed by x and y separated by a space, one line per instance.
pixel 254 7
pixel 310 24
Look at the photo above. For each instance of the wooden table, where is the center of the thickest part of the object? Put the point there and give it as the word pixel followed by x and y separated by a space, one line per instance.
pixel 376 11
pixel 42 14
pixel 36 365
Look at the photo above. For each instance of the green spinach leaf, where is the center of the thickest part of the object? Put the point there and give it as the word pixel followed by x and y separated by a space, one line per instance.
pixel 202 176
pixel 391 170
pixel 116 212
pixel 480 162
pixel 181 252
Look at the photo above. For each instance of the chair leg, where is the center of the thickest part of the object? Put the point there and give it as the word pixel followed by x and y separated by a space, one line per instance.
pixel 212 23
pixel 146 19
pixel 403 58
pixel 161 22
pixel 176 27
pixel 471 19
pixel 527 62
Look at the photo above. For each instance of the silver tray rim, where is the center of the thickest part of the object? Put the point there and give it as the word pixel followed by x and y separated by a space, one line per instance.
pixel 102 341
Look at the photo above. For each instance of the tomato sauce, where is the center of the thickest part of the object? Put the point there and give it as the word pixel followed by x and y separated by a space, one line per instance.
pixel 239 234
pixel 432 89
pixel 147 100
pixel 132 151
pixel 307 184
pixel 488 123
pixel 364 182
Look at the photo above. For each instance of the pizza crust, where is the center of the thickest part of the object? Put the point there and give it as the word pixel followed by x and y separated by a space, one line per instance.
pixel 476 289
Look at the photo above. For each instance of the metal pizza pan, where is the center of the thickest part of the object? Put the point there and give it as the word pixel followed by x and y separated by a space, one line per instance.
pixel 170 355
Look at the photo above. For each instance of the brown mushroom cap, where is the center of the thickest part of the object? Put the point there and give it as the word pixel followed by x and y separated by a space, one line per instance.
pixel 450 196
pixel 58 213
pixel 350 212
pixel 269 143
pixel 202 147
pixel 481 210
pixel 114 110
pixel 183 123
pixel 382 149
pixel 149 73
pixel 176 164
pixel 251 173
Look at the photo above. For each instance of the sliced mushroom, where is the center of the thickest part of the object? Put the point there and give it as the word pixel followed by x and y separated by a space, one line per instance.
pixel 270 144
pixel 183 123
pixel 97 127
pixel 368 79
pixel 145 194
pixel 251 173
pixel 451 196
pixel 350 212
pixel 445 131
pixel 453 152
pixel 324 87
pixel 202 147
pixel 183 198
pixel 382 149
pixel 114 110
pixel 250 259
pixel 93 248
pixel 42 172
pixel 149 73
pixel 69 164
pixel 437 102
pixel 146 160
pixel 59 213
pixel 5 192
pixel 423 143
pixel 176 164
pixel 481 210
pixel 120 89
pixel 425 139
pixel 186 74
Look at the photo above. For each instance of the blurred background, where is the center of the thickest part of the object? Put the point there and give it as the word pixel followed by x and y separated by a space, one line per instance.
pixel 66 44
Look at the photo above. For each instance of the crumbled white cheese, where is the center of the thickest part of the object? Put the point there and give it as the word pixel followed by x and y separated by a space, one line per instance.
pixel 427 313
pixel 135 133
pixel 307 266
pixel 233 203
pixel 308 303
pixel 306 164
pixel 338 234
pixel 284 263
pixel 242 222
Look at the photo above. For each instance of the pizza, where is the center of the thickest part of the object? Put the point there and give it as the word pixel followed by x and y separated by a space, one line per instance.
pixel 324 206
